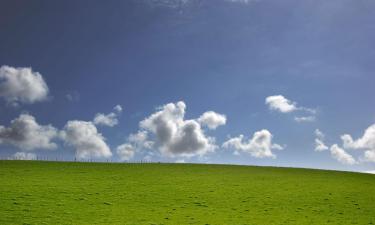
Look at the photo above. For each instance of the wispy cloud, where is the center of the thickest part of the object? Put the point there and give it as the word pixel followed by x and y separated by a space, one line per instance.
pixel 341 155
pixel 281 104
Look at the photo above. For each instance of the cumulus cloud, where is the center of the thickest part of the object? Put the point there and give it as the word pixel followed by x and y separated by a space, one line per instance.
pixel 136 143
pixel 108 119
pixel 22 85
pixel 341 155
pixel 140 140
pixel 259 146
pixel 85 138
pixel 366 143
pixel 23 156
pixel 25 133
pixel 125 152
pixel 319 141
pixel 212 119
pixel 175 136
pixel 281 104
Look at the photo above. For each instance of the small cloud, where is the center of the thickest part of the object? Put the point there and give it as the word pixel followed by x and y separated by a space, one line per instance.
pixel 281 104
pixel 319 141
pixel 319 134
pixel 22 85
pixel 341 155
pixel 301 119
pixel 284 105
pixel 109 120
pixel 212 119
pixel 118 108
pixel 365 143
pixel 320 146
pixel 259 146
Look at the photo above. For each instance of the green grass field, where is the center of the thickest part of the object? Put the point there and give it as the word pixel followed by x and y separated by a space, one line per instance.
pixel 99 193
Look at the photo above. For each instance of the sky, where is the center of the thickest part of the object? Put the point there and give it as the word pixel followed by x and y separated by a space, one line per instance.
pixel 254 82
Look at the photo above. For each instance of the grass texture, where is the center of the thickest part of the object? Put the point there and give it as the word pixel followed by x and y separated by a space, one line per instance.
pixel 34 192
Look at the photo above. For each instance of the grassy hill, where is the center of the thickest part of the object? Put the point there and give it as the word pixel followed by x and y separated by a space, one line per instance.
pixel 99 193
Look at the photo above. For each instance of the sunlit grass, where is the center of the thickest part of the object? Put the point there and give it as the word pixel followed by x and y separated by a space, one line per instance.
pixel 103 193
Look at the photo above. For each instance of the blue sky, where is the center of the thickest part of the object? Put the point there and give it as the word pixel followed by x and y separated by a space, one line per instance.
pixel 225 56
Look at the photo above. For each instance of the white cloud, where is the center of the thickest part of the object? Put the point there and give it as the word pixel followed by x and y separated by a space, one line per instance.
pixel 84 137
pixel 23 156
pixel 140 140
pixel 118 108
pixel 302 119
pixel 319 134
pixel 341 155
pixel 284 105
pixel 25 133
pixel 125 152
pixel 369 156
pixel 259 146
pixel 366 142
pixel 281 104
pixel 136 143
pixel 212 119
pixel 109 119
pixel 319 145
pixel 176 136
pixel 106 119
pixel 22 85
pixel 319 141
pixel 369 171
